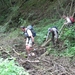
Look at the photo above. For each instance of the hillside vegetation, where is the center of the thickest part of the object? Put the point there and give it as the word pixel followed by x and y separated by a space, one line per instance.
pixel 15 13
pixel 42 14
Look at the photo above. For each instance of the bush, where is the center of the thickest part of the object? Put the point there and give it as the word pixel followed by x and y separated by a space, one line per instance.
pixel 10 68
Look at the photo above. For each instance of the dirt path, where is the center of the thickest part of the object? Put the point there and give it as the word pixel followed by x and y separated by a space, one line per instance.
pixel 41 64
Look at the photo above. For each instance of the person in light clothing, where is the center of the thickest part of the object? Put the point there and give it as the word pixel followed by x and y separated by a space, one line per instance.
pixel 29 39
pixel 54 32
pixel 69 20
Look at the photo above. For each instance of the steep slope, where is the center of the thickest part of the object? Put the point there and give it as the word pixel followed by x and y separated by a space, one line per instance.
pixel 33 11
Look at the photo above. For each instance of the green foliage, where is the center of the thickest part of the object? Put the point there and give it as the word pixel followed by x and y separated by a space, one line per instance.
pixel 69 32
pixel 1 18
pixel 14 33
pixel 32 3
pixel 68 38
pixel 2 29
pixel 69 35
pixel 10 68
pixel 42 29
pixel 14 8
pixel 69 52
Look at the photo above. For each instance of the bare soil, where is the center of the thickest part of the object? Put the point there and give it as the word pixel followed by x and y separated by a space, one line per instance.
pixel 41 64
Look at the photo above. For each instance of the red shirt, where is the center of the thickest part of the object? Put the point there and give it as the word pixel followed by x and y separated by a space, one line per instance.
pixel 72 19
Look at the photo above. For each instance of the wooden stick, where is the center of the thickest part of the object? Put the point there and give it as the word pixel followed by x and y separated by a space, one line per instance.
pixel 35 61
pixel 44 54
pixel 58 12
pixel 45 43
pixel 31 61
pixel 16 52
pixel 65 9
pixel 1 48
pixel 4 50
pixel 71 8
pixel 60 5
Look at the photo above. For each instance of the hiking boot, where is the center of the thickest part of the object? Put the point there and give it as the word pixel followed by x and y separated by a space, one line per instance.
pixel 33 54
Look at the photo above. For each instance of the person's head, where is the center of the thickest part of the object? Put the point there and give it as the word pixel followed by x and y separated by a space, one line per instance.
pixel 23 28
pixel 64 16
pixel 49 29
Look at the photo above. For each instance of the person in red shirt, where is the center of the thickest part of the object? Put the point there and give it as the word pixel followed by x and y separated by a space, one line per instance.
pixel 69 19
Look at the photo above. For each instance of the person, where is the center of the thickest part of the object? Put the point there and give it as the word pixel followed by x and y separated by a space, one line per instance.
pixel 54 32
pixel 69 19
pixel 29 39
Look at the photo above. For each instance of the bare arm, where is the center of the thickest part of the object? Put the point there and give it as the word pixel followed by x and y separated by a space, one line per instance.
pixel 47 35
pixel 32 38
pixel 30 34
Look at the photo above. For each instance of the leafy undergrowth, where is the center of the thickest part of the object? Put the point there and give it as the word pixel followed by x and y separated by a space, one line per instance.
pixel 12 43
pixel 10 67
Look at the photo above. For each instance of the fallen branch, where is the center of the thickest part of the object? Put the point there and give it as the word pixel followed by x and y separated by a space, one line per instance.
pixel 30 71
pixel 35 61
pixel 64 73
pixel 45 43
pixel 1 48
pixel 16 52
pixel 44 54
pixel 4 50
pixel 60 67
pixel 72 70
pixel 54 72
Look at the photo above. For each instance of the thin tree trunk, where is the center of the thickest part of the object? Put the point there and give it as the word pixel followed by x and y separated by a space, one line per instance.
pixel 60 5
pixel 71 8
pixel 5 3
pixel 66 9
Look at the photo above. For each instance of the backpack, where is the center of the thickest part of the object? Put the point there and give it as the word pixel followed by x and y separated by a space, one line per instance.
pixel 72 19
pixel 56 29
pixel 30 27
